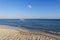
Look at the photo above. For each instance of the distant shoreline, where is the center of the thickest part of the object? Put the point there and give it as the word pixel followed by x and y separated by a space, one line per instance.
pixel 32 19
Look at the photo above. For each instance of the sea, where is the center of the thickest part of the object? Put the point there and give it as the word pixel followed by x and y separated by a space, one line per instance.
pixel 48 24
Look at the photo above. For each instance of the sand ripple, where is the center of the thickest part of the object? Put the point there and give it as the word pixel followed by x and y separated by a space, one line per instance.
pixel 15 34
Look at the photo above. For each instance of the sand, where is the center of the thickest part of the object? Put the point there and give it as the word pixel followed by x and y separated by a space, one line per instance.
pixel 13 33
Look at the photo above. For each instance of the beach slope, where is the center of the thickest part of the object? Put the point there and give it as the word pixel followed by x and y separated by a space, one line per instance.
pixel 12 33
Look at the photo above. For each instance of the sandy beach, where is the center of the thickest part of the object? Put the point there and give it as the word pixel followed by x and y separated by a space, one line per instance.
pixel 14 33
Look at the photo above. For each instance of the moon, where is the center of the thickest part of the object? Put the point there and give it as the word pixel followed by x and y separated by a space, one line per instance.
pixel 29 6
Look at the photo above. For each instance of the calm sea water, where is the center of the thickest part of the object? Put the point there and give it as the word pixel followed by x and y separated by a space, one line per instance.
pixel 49 24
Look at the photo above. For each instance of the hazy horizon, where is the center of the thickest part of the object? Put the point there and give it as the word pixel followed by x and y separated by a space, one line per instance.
pixel 29 9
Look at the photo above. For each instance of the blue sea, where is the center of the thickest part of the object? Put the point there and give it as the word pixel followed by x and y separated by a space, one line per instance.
pixel 48 24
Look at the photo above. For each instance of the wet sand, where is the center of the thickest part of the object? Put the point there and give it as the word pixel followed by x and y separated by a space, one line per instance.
pixel 15 33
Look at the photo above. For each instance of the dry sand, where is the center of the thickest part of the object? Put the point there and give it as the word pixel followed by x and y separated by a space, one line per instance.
pixel 11 33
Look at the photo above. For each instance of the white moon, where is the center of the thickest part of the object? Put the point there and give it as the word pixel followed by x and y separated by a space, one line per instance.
pixel 29 6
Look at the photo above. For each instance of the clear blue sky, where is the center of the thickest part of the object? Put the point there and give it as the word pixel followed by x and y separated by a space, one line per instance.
pixel 40 9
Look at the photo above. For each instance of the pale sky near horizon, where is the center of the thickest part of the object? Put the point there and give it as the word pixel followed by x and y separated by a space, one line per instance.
pixel 30 9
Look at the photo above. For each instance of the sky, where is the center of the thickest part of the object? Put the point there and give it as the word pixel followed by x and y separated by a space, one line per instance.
pixel 30 9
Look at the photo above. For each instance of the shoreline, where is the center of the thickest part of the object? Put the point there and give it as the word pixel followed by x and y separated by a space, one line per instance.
pixel 28 31
pixel 43 30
